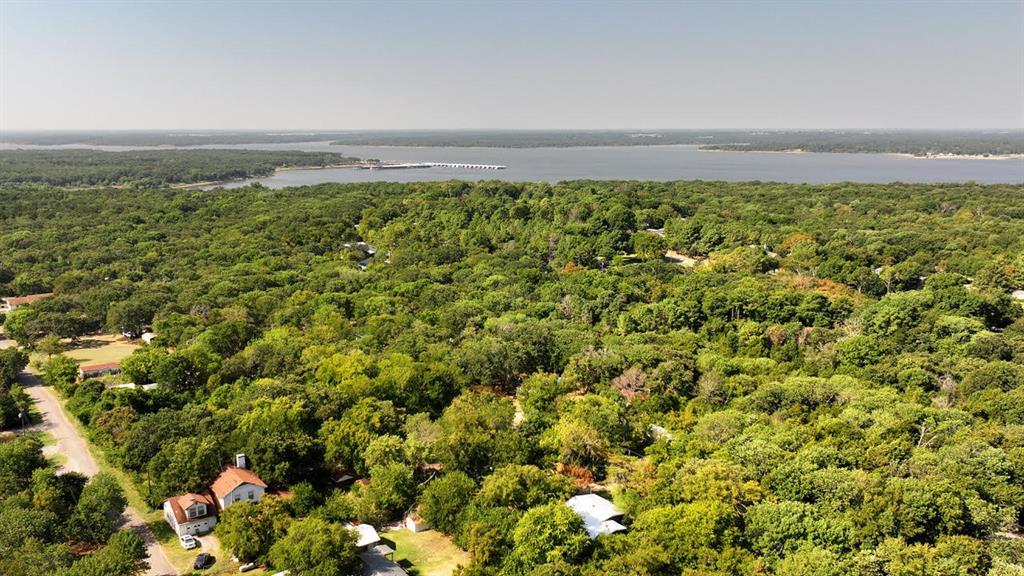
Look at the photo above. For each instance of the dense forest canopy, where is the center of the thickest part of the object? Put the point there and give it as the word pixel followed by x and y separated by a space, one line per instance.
pixel 766 378
pixel 80 167
pixel 917 142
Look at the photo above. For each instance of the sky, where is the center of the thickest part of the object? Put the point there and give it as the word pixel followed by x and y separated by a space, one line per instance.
pixel 521 65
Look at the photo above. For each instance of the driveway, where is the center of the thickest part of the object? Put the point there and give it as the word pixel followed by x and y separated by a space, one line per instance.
pixel 75 449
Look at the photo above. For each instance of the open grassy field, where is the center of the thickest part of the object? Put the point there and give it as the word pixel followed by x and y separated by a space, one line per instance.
pixel 102 348
pixel 429 553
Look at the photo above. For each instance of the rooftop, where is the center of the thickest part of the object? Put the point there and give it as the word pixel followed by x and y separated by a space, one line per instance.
pixel 22 300
pixel 180 503
pixel 100 367
pixel 232 477
pixel 367 534
pixel 597 514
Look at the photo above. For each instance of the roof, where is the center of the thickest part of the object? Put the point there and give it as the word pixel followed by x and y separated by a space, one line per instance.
pixel 376 563
pixel 597 514
pixel 22 300
pixel 184 501
pixel 366 534
pixel 232 477
pixel 100 367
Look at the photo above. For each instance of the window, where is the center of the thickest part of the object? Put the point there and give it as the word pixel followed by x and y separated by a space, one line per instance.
pixel 196 511
pixel 250 495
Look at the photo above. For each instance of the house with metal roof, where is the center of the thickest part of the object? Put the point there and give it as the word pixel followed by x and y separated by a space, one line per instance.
pixel 599 515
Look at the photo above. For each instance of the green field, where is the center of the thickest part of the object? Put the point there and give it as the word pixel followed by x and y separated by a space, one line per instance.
pixel 427 553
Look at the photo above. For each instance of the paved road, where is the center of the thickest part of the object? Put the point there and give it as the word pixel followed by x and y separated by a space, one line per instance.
pixel 79 459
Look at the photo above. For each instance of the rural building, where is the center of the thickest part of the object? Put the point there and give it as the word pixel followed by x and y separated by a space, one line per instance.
pixel 237 483
pixel 366 536
pixel 197 513
pixel 415 522
pixel 96 370
pixel 14 302
pixel 599 514
pixel 190 514
pixel 147 337
pixel 378 562
pixel 375 554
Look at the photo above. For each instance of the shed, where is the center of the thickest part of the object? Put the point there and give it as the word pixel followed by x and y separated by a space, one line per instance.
pixel 599 514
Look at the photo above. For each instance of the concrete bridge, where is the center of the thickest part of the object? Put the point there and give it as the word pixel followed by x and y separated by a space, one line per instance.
pixel 471 166
pixel 399 166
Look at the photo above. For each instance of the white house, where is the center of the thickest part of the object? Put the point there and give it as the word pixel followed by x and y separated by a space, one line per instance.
pixel 190 514
pixel 599 514
pixel 237 483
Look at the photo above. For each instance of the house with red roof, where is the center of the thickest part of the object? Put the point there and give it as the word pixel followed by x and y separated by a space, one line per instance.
pixel 237 483
pixel 197 513
pixel 86 371
pixel 9 303
pixel 190 513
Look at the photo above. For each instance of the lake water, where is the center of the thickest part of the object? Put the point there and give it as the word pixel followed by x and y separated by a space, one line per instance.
pixel 636 163
pixel 645 163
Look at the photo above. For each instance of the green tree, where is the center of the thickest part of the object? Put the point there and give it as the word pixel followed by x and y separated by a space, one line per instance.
pixel 124 555
pixel 249 529
pixel 98 512
pixel 19 458
pixel 523 487
pixel 275 438
pixel 649 246
pixel 315 547
pixel 61 372
pixel 444 498
pixel 546 534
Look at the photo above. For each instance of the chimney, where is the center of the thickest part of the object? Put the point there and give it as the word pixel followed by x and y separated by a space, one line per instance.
pixel 240 461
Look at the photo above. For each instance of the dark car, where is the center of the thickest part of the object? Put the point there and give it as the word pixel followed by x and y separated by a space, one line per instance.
pixel 204 560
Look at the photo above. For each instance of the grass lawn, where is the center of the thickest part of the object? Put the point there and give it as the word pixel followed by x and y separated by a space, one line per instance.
pixel 100 349
pixel 430 553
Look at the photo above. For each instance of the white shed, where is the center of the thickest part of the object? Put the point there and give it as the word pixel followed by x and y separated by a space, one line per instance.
pixel 599 514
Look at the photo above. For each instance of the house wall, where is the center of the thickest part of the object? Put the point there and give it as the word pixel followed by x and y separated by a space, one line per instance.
pixel 241 494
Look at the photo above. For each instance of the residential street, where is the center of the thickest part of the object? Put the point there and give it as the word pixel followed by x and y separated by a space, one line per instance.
pixel 76 450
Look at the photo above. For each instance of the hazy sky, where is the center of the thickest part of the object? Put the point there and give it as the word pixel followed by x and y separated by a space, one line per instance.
pixel 330 65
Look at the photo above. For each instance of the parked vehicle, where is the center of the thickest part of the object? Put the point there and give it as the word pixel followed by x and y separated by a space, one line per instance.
pixel 203 561
pixel 189 542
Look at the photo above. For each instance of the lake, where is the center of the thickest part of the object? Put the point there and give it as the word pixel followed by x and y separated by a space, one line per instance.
pixel 634 163
pixel 645 163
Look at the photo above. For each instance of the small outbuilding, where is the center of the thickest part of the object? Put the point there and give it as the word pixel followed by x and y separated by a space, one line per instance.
pixel 600 516
pixel 415 522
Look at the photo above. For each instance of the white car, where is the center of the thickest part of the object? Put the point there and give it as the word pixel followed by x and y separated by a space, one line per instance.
pixel 189 542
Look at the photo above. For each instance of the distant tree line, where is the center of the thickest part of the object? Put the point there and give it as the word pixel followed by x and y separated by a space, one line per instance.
pixel 82 167
pixel 918 142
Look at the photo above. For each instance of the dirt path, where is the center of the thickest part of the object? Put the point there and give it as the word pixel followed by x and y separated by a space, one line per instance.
pixel 70 444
